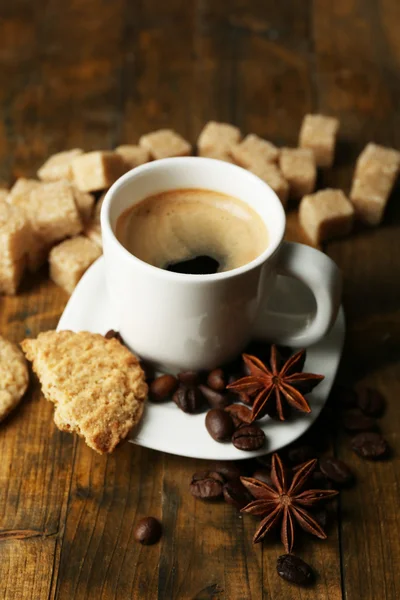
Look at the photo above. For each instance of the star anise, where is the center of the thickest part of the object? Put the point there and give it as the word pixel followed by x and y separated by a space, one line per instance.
pixel 285 503
pixel 271 387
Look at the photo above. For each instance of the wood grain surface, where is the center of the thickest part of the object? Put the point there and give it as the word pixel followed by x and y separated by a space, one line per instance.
pixel 97 73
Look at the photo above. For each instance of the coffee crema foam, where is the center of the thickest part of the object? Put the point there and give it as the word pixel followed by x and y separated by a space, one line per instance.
pixel 183 224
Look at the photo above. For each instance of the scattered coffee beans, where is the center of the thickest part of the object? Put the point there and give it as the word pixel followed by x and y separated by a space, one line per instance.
pixel 148 531
pixel 219 425
pixel 189 378
pixel 162 387
pixel 114 334
pixel 189 400
pixel 355 420
pixel 236 494
pixel 294 570
pixel 215 399
pixel 207 485
pixel 229 470
pixel 248 437
pixel 370 445
pixel 371 402
pixel 300 454
pixel 336 470
pixel 216 380
pixel 239 413
pixel 263 475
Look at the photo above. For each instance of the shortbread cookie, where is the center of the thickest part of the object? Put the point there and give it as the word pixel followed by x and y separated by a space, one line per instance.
pixel 95 171
pixel 96 384
pixel 58 166
pixel 165 143
pixel 70 259
pixel 254 149
pixel 318 133
pixel 14 377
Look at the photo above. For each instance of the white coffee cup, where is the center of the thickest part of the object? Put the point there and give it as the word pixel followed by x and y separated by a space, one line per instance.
pixel 180 321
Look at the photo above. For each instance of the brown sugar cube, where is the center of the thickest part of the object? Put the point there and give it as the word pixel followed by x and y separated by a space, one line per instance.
pixel 58 166
pixel 270 173
pixel 70 259
pixel 165 143
pixel 3 194
pixel 326 214
pixel 133 156
pixel 93 228
pixel 97 170
pixel 218 135
pixel 14 245
pixel 53 212
pixel 375 175
pixel 318 133
pixel 253 149
pixel 298 168
pixel 85 203
pixel 20 192
pixel 218 153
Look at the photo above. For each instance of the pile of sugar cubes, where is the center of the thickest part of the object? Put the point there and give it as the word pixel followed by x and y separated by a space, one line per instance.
pixel 56 217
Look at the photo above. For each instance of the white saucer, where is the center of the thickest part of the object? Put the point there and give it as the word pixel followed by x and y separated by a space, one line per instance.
pixel 164 427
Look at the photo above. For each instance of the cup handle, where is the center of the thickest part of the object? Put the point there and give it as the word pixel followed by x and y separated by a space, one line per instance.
pixel 321 275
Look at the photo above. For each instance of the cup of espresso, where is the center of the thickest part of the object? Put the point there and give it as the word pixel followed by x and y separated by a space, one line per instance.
pixel 192 249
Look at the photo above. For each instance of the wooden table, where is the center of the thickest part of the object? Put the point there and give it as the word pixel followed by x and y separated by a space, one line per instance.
pixel 96 73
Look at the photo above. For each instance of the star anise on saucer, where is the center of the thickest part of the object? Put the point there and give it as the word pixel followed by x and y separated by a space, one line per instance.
pixel 273 387
pixel 285 503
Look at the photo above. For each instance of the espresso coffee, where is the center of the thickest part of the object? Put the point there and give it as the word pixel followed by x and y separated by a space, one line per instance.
pixel 192 231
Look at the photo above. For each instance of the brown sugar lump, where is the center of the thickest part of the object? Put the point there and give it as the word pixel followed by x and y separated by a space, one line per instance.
pixel 298 168
pixel 96 384
pixel 70 259
pixel 271 174
pixel 85 203
pixel 133 156
pixel 3 194
pixel 53 212
pixel 253 149
pixel 218 135
pixel 93 228
pixel 20 192
pixel 165 143
pixel 326 214
pixel 375 175
pixel 58 166
pixel 97 170
pixel 318 133
pixel 14 376
pixel 217 153
pixel 15 235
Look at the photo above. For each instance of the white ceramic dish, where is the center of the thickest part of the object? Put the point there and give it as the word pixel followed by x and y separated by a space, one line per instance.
pixel 166 428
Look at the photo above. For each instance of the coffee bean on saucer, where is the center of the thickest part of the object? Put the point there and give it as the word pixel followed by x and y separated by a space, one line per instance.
pixel 189 378
pixel 371 402
pixel 236 494
pixel 219 425
pixel 248 437
pixel 294 570
pixel 148 531
pixel 336 470
pixel 207 485
pixel 189 400
pixel 215 399
pixel 240 414
pixel 263 475
pixel 162 387
pixel 113 334
pixel 354 420
pixel 228 469
pixel 216 380
pixel 300 454
pixel 370 445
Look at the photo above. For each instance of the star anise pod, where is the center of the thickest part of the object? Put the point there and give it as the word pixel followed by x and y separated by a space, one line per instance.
pixel 273 386
pixel 285 503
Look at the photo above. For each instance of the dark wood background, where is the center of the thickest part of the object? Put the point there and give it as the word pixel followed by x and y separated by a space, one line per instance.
pixel 96 73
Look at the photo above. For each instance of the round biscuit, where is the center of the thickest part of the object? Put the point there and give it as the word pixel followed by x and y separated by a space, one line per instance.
pixel 14 376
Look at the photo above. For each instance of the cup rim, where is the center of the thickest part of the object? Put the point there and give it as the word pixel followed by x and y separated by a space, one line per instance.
pixel 107 230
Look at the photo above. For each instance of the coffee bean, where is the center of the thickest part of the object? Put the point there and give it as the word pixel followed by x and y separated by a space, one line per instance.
pixel 236 494
pixel 248 437
pixel 162 387
pixel 219 425
pixel 336 470
pixel 371 402
pixel 300 454
pixel 113 334
pixel 343 395
pixel 189 400
pixel 370 445
pixel 294 570
pixel 228 469
pixel 240 414
pixel 207 485
pixel 263 475
pixel 355 420
pixel 216 380
pixel 215 399
pixel 189 378
pixel 148 531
